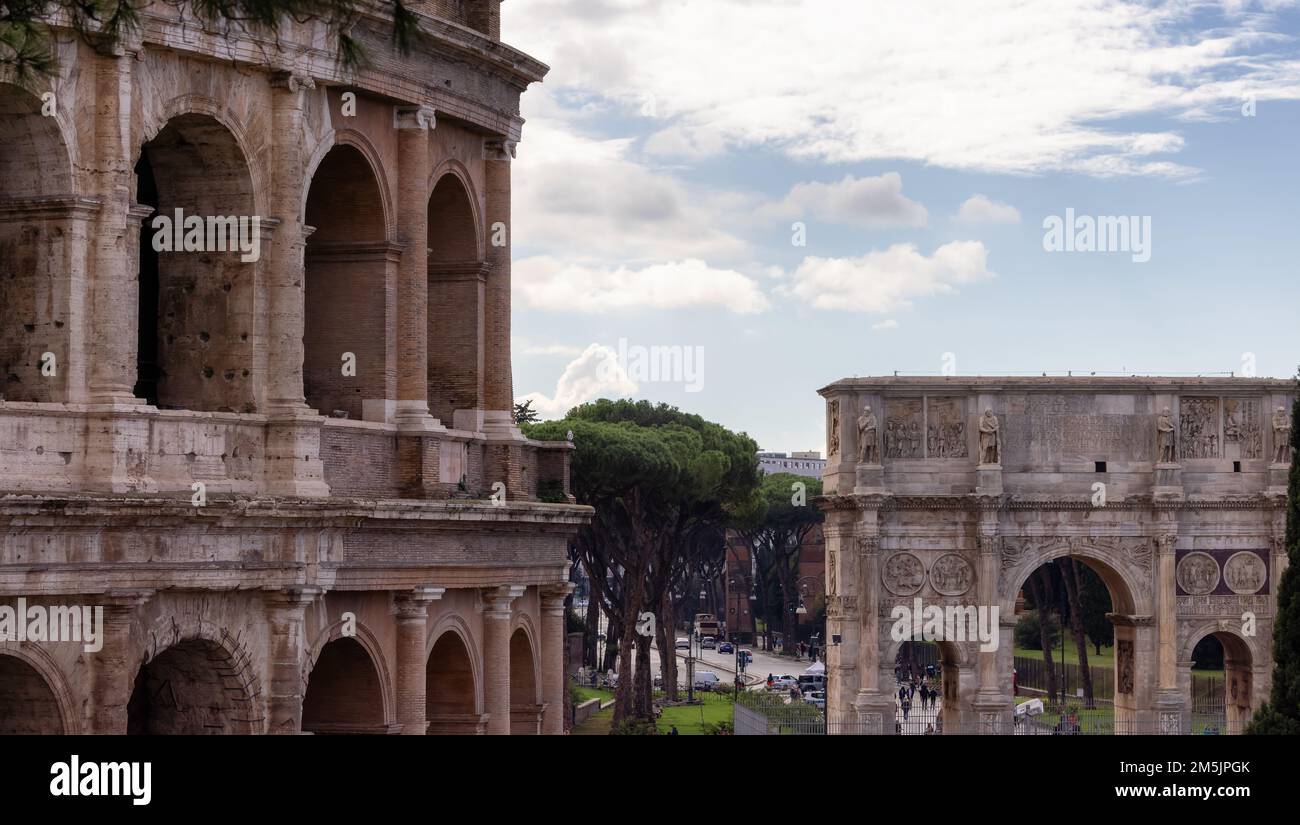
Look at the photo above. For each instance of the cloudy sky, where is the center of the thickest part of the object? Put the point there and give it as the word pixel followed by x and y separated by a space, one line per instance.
pixel 790 192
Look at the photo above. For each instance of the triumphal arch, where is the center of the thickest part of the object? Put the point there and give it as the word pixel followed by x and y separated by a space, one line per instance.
pixel 952 491
pixel 280 471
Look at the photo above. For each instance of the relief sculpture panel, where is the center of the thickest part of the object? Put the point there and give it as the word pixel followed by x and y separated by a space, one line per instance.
pixel 946 428
pixel 903 428
pixel 1198 423
pixel 1243 435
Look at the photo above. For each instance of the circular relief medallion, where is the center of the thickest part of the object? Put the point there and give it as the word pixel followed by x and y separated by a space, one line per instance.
pixel 903 574
pixel 951 575
pixel 1198 574
pixel 1245 573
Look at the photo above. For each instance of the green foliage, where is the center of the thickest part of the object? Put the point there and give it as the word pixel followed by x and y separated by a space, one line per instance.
pixel 719 729
pixel 1027 633
pixel 525 414
pixel 1281 714
pixel 26 40
pixel 633 727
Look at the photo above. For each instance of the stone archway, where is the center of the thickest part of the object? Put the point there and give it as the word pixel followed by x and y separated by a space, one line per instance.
pixel 451 687
pixel 28 702
pixel 348 266
pixel 197 307
pixel 344 691
pixel 1219 706
pixel 525 707
pixel 456 321
pixel 192 687
pixel 1133 642
pixel 41 223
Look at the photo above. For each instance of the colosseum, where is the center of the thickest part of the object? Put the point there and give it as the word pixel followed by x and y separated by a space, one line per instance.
pixel 285 487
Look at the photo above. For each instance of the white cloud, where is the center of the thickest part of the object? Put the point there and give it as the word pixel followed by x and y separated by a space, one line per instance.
pixel 869 202
pixel 883 325
pixel 888 280
pixel 1016 86
pixel 544 282
pixel 594 374
pixel 979 209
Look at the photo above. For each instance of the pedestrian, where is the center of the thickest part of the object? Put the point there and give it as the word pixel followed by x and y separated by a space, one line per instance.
pixel 934 697
pixel 925 694
pixel 902 693
pixel 907 706
pixel 769 681
pixel 673 732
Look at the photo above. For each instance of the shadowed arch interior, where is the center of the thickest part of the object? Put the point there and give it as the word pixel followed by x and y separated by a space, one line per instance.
pixel 349 266
pixel 450 688
pixel 523 686
pixel 197 307
pixel 344 694
pixel 456 303
pixel 190 688
pixel 35 167
pixel 27 703
pixel 1220 684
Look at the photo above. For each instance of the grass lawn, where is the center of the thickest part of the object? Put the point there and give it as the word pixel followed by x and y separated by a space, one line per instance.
pixel 1106 659
pixel 690 719
pixel 594 693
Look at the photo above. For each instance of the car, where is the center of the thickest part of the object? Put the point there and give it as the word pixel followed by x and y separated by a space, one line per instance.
pixel 706 680
pixel 708 643
pixel 726 647
pixel 783 683
pixel 816 698
pixel 683 644
pixel 746 656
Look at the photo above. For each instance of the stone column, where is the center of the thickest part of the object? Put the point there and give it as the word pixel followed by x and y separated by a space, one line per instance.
pixel 991 700
pixel 841 616
pixel 875 708
pixel 411 609
pixel 413 124
pixel 113 673
pixel 553 639
pixel 287 643
pixel 498 388
pixel 293 465
pixel 496 656
pixel 114 285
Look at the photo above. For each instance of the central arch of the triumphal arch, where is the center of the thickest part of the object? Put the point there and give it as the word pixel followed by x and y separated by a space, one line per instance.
pixel 949 493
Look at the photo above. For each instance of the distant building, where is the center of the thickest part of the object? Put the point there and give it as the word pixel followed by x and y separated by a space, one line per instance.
pixel 808 463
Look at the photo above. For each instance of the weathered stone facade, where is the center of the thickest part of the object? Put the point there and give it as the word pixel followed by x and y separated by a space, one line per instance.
pixel 1189 542
pixel 280 543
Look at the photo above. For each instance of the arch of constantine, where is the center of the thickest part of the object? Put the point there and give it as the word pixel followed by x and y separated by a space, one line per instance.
pixel 950 492
pixel 287 484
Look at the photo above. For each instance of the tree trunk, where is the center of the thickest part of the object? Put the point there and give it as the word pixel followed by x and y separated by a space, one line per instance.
pixel 1070 575
pixel 1040 590
pixel 589 640
pixel 668 646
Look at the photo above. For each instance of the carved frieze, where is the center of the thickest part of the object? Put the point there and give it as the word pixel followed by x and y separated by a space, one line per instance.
pixel 1124 666
pixel 842 607
pixel 1243 435
pixel 1228 606
pixel 1198 422
pixel 951 575
pixel 903 574
pixel 1244 573
pixel 1197 574
pixel 903 422
pixel 945 435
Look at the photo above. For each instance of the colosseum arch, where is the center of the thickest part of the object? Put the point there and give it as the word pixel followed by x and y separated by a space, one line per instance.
pixel 350 265
pixel 525 687
pixel 457 278
pixel 34 696
pixel 40 220
pixel 453 698
pixel 195 686
pixel 197 309
pixel 348 685
pixel 956 676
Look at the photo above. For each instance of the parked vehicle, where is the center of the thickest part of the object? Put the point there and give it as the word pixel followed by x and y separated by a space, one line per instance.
pixel 783 683
pixel 812 681
pixel 726 647
pixel 706 680
pixel 708 643
pixel 816 698
pixel 683 644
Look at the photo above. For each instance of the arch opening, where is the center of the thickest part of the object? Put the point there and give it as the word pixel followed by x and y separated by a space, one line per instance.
pixel 348 268
pixel 1074 648
pixel 450 690
pixel 927 678
pixel 1219 684
pixel 36 253
pixel 344 692
pixel 456 301
pixel 28 704
pixel 190 688
pixel 196 292
pixel 525 711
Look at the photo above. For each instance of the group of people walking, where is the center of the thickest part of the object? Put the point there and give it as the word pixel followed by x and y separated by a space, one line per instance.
pixel 907 694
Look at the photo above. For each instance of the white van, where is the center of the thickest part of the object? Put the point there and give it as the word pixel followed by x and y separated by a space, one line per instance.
pixel 812 681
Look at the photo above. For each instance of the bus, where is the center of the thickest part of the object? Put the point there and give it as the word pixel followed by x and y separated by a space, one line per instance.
pixel 707 624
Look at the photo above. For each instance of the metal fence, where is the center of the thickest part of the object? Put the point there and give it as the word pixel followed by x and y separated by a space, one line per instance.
pixel 1031 674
